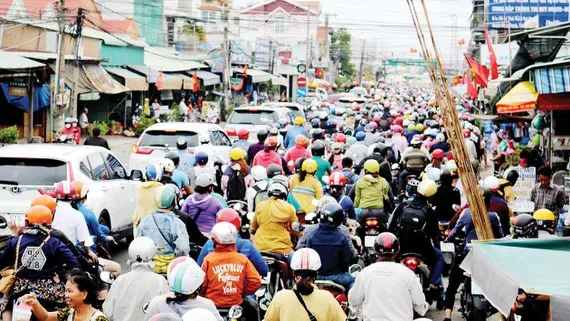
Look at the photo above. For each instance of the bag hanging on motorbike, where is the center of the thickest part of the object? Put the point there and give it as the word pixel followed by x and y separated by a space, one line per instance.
pixel 236 186
pixel 413 218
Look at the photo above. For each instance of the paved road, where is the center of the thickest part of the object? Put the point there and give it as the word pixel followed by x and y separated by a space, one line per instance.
pixel 121 147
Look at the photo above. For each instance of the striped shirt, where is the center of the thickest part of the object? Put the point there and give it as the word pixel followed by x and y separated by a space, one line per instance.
pixel 550 197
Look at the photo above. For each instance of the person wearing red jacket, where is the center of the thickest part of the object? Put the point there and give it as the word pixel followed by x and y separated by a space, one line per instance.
pixel 298 151
pixel 76 131
pixel 268 155
pixel 230 276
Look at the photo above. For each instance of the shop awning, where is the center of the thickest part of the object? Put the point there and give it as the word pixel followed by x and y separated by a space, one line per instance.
pixel 83 85
pixel 102 81
pixel 279 81
pixel 10 61
pixel 256 75
pixel 187 82
pixel 168 82
pixel 519 99
pixel 554 102
pixel 165 62
pixel 208 78
pixel 132 80
pixel 552 80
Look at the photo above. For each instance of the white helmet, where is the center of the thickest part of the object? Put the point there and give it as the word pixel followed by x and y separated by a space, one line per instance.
pixel 186 277
pixel 434 174
pixel 168 165
pixel 204 139
pixel 277 189
pixel 259 173
pixel 406 123
pixel 492 183
pixel 323 114
pixel 324 201
pixel 440 137
pixel 199 314
pixel 306 259
pixel 205 180
pixel 224 233
pixel 142 249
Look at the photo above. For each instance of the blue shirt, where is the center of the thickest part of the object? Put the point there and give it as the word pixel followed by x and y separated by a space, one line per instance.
pixel 292 134
pixel 186 161
pixel 244 247
pixel 180 178
pixel 92 224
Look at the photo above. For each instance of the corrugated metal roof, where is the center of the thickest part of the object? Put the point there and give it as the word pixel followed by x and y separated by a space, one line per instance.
pixel 51 55
pixel 279 81
pixel 255 74
pixel 165 61
pixel 11 61
pixel 208 78
pixel 133 81
pixel 168 81
pixel 102 81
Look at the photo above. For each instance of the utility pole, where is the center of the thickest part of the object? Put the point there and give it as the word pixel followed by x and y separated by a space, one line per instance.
pixel 77 35
pixel 327 53
pixel 58 103
pixel 270 62
pixel 307 45
pixel 361 63
pixel 227 61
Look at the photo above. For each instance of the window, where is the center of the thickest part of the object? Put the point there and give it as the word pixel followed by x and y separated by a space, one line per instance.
pixel 219 138
pixel 161 138
pixel 212 15
pixel 253 117
pixel 117 170
pixel 32 171
pixel 98 168
pixel 279 25
pixel 205 15
pixel 84 168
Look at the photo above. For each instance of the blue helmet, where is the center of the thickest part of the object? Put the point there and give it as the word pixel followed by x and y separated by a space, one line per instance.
pixel 201 158
pixel 368 128
pixel 333 111
pixel 165 196
pixel 315 123
pixel 331 123
pixel 360 136
pixel 153 172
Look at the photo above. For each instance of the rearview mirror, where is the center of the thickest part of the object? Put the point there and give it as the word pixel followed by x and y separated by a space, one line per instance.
pixel 107 277
pixel 355 268
pixel 250 216
pixel 3 223
pixel 235 312
pixel 137 175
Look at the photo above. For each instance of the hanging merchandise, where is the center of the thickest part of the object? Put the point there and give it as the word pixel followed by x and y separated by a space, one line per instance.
pixel 536 140
pixel 538 122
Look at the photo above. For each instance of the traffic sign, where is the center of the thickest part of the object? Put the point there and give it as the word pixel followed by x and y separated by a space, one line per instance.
pixel 301 91
pixel 301 82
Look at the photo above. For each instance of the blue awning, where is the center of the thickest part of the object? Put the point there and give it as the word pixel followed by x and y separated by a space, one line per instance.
pixel 41 98
pixel 552 80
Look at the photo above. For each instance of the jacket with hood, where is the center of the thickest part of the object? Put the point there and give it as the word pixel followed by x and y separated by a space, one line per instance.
pixel 244 247
pixel 295 153
pixel 208 205
pixel 265 159
pixel 167 231
pixel 271 223
pixel 140 286
pixel 145 200
pixel 306 191
pixel 370 192
pixel 332 245
pixel 159 305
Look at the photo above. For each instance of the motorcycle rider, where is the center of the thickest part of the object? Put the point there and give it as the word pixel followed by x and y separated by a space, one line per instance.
pixel 166 230
pixel 387 290
pixel 305 300
pixel 187 160
pixel 336 156
pixel 323 167
pixel 139 285
pixel 68 131
pixel 238 172
pixel 230 276
pixel 199 167
pixel 446 196
pixel 243 140
pixel 359 150
pixel 332 245
pixel 415 161
pixel 440 144
pixel 259 192
pixel 509 179
pixel 378 152
pixel 436 160
pixel 498 204
pixel 243 246
pixel 351 176
pixel 178 176
pixel 372 193
pixel 294 131
pixel 297 151
pixel 202 206
pixel 305 187
pixel 206 147
pixel 146 192
pixel 253 149
pixel 337 185
pixel 268 155
pixel 400 142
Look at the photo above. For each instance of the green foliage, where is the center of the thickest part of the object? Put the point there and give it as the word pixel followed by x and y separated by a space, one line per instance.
pixel 200 32
pixel 101 125
pixel 175 114
pixel 340 81
pixel 340 51
pixel 144 123
pixel 9 135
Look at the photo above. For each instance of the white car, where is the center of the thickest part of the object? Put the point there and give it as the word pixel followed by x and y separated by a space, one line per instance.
pixel 296 108
pixel 27 169
pixel 254 118
pixel 159 139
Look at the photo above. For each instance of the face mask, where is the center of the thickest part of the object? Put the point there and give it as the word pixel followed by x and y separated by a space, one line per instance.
pixel 523 162
pixel 74 125
pixel 67 125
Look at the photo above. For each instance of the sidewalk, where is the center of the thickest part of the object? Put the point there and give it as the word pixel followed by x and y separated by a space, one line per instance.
pixel 114 141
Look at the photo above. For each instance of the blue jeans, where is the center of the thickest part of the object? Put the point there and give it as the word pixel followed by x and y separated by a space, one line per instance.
pixel 435 276
pixel 344 279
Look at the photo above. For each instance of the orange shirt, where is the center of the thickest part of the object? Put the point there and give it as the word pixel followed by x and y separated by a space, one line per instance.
pixel 229 276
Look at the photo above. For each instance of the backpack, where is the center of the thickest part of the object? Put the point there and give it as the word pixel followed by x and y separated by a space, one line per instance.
pixel 416 161
pixel 236 186
pixel 260 196
pixel 413 218
pixel 349 183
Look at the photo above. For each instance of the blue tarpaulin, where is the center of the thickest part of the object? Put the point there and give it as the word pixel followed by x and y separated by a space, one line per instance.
pixel 41 98
pixel 552 80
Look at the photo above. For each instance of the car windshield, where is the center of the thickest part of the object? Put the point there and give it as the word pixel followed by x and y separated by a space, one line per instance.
pixel 32 171
pixel 163 138
pixel 295 109
pixel 253 117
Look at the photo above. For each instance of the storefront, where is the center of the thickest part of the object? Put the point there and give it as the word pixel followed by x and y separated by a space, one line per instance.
pixel 138 86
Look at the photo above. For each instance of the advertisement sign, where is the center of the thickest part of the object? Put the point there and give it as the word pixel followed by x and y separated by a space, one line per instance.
pixel 217 62
pixel 18 87
pixel 240 52
pixel 522 190
pixel 504 53
pixel 517 14
pixel 262 54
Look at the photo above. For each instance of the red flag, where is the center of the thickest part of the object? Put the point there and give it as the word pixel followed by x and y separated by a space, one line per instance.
pixel 196 82
pixel 413 50
pixel 492 57
pixel 479 71
pixel 159 81
pixel 471 85
pixel 461 42
pixel 319 73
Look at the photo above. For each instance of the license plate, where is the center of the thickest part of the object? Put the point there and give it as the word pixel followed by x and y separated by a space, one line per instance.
pixel 475 289
pixel 369 240
pixel 448 247
pixel 18 218
pixel 518 317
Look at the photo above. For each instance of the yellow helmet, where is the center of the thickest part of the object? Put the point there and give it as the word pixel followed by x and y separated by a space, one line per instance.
pixel 309 166
pixel 371 166
pixel 299 121
pixel 427 188
pixel 237 154
pixel 545 219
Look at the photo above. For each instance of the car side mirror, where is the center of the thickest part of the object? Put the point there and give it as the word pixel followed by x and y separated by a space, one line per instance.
pixel 3 223
pixel 137 175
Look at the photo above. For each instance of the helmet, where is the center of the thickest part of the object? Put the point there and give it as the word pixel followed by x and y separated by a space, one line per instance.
pixel 440 137
pixel 81 189
pixel 386 244
pixel 165 196
pixel 281 179
pixel 368 128
pixel 371 166
pixel 445 177
pixel 545 219
pixel 434 174
pixel 299 163
pixel 318 149
pixel 377 118
pixel 205 180
pixel 237 154
pixel 438 154
pixel 273 170
pixel 299 121
pixel 46 201
pixel 270 142
pixel 396 129
pixel 332 213
pixel 412 185
pixel 201 158
pixel 309 166
pixel 511 175
pixel 420 128
pixel 427 188
pixel 360 136
pixel 74 120
pixel 374 125
pixel 68 120
pixel 224 233
pixel 262 134
pixel 324 201
pixel 153 172
pixel 259 173
pixel 278 190
pixel 64 190
pixel 525 226
pixel 363 122
pixel 399 121
pixel 323 114
pixel 167 165
pixel 142 249
pixel 205 139
pixel 186 277
pixel 317 133
pixel 301 140
pixel 165 316
pixel 416 141
pixel 181 144
pixel 337 179
pixel 39 214
pixel 411 127
pixel 199 314
pixel 340 138
pixel 315 123
pixel 492 183
pixel 306 259
pixel 174 157
pixel 229 215
pixel 336 148
pixel 243 133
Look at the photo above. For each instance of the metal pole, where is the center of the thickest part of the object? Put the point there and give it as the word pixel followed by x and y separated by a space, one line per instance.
pixel 361 63
pixel 79 26
pixel 227 90
pixel 327 50
pixel 307 46
pixel 31 105
pixel 59 86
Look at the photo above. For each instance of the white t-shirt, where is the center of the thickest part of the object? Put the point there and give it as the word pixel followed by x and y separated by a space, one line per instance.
pixel 83 120
pixel 70 222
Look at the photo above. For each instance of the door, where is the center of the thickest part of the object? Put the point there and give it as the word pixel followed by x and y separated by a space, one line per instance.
pixel 125 188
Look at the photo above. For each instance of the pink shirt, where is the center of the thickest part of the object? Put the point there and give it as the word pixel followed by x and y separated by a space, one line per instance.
pixel 294 153
pixel 265 159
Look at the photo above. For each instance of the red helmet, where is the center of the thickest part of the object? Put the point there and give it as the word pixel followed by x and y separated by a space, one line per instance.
pixel 377 118
pixel 229 215
pixel 337 179
pixel 356 108
pixel 340 138
pixel 374 125
pixel 271 142
pixel 243 134
pixel 64 190
pixel 399 121
pixel 449 155
pixel 438 154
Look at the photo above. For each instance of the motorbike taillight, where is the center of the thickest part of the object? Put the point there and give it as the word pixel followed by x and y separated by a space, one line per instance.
pixel 411 263
pixel 371 222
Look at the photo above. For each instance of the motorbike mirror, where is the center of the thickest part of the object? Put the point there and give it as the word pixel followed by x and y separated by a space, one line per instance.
pixel 62 138
pixel 180 203
pixel 3 223
pixel 235 312
pixel 145 307
pixel 107 277
pixel 291 163
pixel 237 207
pixel 297 227
pixel 355 268
pixel 250 216
pixel 224 167
pixel 455 207
pixel 90 241
pixel 260 293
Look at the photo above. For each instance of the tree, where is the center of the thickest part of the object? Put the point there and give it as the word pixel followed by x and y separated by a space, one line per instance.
pixel 190 27
pixel 340 51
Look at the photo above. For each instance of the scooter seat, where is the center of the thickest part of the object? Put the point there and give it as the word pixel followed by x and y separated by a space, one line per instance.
pixel 275 256
pixel 327 283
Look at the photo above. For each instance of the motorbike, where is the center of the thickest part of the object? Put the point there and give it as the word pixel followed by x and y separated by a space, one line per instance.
pixel 338 291
pixel 278 278
pixel 241 207
pixel 235 313
pixel 416 263
pixel 530 306
pixel 474 306
pixel 447 248
pixel 371 229
pixel 62 139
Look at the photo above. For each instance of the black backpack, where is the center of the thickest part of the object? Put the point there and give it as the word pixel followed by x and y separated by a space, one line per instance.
pixel 413 218
pixel 236 186
pixel 260 196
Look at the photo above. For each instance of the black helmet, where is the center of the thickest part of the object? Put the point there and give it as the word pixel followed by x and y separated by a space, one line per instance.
pixel 512 176
pixel 332 213
pixel 299 163
pixel 262 134
pixel 318 149
pixel 274 170
pixel 445 178
pixel 317 133
pixel 174 157
pixel 386 244
pixel 486 196
pixel 181 143
pixel 315 123
pixel 525 226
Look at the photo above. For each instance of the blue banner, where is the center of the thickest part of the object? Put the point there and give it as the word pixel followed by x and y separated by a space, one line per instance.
pixel 41 98
pixel 535 13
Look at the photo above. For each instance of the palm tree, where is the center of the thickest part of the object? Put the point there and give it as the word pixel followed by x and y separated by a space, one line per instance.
pixel 192 29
